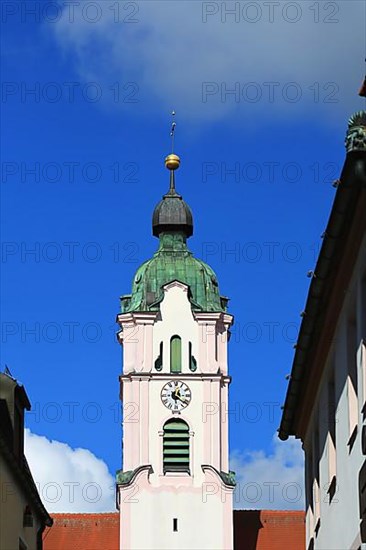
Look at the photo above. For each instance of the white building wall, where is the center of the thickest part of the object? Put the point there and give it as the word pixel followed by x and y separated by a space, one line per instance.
pixel 201 521
pixel 340 522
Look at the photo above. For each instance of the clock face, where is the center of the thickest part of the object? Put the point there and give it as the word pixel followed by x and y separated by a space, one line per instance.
pixel 176 395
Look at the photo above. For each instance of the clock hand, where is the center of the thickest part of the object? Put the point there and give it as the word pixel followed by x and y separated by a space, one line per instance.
pixel 176 395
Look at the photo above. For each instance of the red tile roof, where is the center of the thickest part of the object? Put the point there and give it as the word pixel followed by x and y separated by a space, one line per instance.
pixel 253 530
pixel 269 530
pixel 83 532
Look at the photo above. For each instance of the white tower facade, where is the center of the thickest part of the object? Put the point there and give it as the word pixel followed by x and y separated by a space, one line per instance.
pixel 175 488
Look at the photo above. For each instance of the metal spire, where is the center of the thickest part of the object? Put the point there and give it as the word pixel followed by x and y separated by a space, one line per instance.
pixel 172 131
pixel 172 161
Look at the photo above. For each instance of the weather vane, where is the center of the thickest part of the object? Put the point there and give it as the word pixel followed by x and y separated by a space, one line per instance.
pixel 172 132
pixel 172 161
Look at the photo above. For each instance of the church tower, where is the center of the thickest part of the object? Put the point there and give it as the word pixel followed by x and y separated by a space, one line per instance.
pixel 175 490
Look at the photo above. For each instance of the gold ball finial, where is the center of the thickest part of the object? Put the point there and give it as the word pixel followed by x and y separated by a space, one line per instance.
pixel 172 162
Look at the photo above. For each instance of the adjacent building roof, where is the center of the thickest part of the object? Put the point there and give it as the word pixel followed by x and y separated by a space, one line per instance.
pixel 83 532
pixel 253 530
pixel 10 394
pixel 269 530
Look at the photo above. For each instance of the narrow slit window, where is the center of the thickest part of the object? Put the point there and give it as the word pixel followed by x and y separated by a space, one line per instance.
pixel 159 360
pixel 192 360
pixel 176 354
pixel 175 525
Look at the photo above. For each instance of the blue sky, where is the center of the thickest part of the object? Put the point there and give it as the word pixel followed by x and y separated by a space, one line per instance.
pixel 96 131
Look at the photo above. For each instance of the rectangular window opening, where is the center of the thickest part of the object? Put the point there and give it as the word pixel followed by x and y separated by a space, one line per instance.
pixel 175 525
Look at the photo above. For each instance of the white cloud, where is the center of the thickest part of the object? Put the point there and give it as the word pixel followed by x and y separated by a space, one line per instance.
pixel 69 480
pixel 173 47
pixel 270 481
pixel 75 480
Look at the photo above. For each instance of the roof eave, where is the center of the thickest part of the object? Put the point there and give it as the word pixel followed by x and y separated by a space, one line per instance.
pixel 352 181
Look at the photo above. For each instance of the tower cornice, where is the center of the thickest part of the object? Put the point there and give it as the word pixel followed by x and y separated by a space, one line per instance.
pixel 213 317
pixel 138 317
pixel 169 376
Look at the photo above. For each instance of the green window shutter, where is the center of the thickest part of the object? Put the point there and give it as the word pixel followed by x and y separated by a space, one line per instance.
pixel 176 354
pixel 176 446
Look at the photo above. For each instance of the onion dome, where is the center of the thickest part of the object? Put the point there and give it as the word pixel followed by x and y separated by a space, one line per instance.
pixel 172 213
pixel 173 261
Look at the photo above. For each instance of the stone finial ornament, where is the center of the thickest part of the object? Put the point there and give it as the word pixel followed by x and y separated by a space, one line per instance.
pixel 356 134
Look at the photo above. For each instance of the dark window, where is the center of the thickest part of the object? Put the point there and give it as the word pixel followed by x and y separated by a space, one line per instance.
pixel 159 360
pixel 192 360
pixel 27 517
pixel 175 524
pixel 176 446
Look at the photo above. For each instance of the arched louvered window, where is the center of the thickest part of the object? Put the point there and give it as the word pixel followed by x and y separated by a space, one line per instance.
pixel 176 354
pixel 176 446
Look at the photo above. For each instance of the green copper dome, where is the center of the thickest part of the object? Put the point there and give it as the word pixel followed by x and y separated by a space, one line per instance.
pixel 173 261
